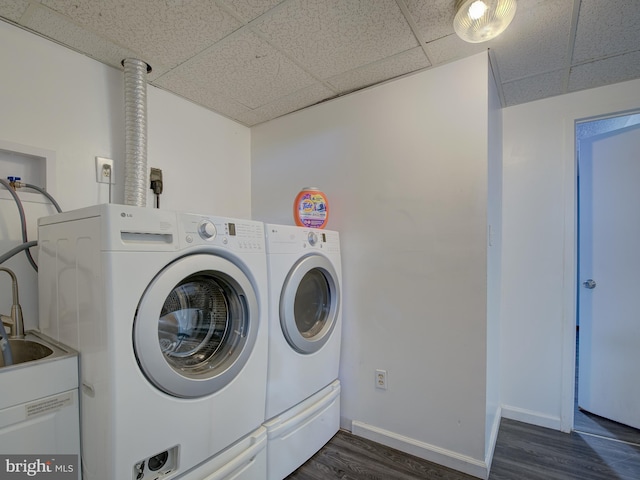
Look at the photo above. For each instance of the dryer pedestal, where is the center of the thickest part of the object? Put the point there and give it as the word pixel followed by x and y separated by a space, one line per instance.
pixel 245 460
pixel 298 433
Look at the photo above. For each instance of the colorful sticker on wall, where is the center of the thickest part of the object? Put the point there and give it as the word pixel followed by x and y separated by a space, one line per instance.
pixel 311 208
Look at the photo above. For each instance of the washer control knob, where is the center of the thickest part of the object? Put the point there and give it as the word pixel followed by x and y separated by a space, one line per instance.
pixel 312 238
pixel 207 230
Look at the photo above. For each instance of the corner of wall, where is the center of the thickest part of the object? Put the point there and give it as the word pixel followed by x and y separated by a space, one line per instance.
pixel 490 447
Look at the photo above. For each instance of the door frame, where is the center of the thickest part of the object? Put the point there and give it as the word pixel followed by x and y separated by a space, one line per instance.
pixel 570 270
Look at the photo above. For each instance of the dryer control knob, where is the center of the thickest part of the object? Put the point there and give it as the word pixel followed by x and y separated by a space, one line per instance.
pixel 207 230
pixel 312 238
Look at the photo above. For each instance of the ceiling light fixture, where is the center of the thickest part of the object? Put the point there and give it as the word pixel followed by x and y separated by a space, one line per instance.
pixel 481 20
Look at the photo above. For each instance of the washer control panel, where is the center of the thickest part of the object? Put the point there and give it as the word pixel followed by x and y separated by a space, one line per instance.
pixel 233 234
pixel 207 229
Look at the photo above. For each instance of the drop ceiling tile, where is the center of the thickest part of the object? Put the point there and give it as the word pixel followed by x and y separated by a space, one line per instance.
pixel 250 118
pixel 605 72
pixel 536 41
pixel 13 9
pixel 250 9
pixel 244 68
pixel 61 29
pixel 208 99
pixel 329 37
pixel 451 48
pixel 434 19
pixel 166 32
pixel 290 103
pixel 533 88
pixel 382 70
pixel 192 89
pixel 606 28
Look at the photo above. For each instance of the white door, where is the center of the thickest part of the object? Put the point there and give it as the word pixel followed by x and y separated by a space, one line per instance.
pixel 609 276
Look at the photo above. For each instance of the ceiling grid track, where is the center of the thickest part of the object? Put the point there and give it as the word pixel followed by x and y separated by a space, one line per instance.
pixel 414 28
pixel 251 26
pixel 570 45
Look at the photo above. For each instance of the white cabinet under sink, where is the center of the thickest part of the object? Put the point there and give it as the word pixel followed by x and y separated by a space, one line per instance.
pixel 39 406
pixel 48 425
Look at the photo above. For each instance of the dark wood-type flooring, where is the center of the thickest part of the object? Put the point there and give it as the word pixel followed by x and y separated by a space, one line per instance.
pixel 523 452
pixel 598 449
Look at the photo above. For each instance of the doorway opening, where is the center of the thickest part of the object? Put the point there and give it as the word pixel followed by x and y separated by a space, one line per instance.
pixel 586 421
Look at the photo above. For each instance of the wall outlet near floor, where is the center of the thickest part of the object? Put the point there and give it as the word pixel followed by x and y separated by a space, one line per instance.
pixel 381 379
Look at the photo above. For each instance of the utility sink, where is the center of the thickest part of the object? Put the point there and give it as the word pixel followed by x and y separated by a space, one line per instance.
pixel 27 351
pixel 39 410
pixel 40 366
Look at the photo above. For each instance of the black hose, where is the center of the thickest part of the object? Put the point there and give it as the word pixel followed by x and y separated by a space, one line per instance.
pixel 23 221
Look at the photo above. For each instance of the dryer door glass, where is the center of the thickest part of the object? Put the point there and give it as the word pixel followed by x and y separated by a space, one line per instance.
pixel 196 326
pixel 310 303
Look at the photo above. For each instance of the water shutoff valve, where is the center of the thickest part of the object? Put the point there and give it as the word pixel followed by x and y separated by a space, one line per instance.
pixel 15 182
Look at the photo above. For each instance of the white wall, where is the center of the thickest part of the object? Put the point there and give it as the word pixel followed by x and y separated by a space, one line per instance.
pixel 54 99
pixel 494 267
pixel 539 253
pixel 205 158
pixel 404 166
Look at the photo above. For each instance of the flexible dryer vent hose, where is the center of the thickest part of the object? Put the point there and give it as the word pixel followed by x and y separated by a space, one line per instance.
pixel 135 105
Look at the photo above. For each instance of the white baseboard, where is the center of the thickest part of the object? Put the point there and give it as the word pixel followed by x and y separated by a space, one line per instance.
pixel 431 453
pixel 529 416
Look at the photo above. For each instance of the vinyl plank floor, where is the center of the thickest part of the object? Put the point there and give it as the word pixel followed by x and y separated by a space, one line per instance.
pixel 589 423
pixel 528 452
pixel 523 452
pixel 348 457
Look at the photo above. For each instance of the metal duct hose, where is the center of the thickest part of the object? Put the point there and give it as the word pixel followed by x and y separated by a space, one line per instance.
pixel 135 105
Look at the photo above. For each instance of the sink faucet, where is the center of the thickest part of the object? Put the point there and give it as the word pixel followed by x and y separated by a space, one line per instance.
pixel 15 320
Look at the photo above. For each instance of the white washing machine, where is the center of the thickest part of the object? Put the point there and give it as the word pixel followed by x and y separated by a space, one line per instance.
pixel 305 324
pixel 169 314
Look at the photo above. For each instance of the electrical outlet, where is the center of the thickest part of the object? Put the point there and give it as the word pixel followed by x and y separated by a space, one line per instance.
pixel 381 379
pixel 104 170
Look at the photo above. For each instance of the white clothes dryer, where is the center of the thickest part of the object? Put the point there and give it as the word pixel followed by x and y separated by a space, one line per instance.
pixel 305 330
pixel 169 314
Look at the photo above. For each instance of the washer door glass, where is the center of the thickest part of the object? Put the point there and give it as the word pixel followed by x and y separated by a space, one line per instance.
pixel 196 326
pixel 309 303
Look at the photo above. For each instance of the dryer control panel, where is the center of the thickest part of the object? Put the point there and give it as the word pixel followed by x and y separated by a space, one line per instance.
pixel 289 239
pixel 234 234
